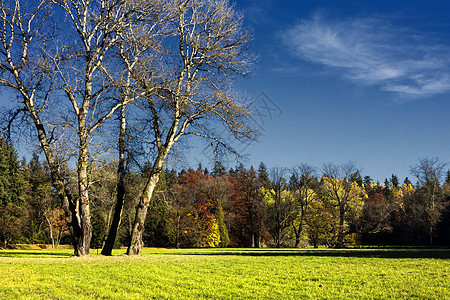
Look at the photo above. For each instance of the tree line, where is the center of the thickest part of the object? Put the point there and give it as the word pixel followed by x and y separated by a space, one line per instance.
pixel 240 207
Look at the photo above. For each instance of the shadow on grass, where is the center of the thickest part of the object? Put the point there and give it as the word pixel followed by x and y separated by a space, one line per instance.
pixel 363 253
pixel 31 254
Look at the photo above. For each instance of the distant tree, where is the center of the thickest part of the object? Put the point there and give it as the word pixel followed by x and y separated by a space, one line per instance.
pixel 13 219
pixel 304 186
pixel 381 208
pixel 263 176
pixel 407 181
pixel 40 199
pixel 218 170
pixel 367 180
pixel 11 181
pixel 321 224
pixel 195 210
pixel 394 181
pixel 429 197
pixel 248 209
pixel 279 204
pixel 343 194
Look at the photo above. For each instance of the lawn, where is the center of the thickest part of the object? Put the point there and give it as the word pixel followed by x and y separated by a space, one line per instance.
pixel 227 274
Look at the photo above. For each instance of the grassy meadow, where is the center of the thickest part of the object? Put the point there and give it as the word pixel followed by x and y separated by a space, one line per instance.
pixel 227 274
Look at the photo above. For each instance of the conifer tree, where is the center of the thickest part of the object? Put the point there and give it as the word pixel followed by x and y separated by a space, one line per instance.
pixel 11 182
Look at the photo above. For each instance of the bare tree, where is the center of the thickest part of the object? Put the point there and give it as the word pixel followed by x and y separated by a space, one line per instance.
pixel 22 72
pixel 47 69
pixel 429 173
pixel 137 49
pixel 304 184
pixel 279 206
pixel 206 48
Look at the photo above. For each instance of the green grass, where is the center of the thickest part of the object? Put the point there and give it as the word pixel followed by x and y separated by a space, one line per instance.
pixel 227 274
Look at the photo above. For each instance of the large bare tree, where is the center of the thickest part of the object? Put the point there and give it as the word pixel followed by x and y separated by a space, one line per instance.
pixel 138 48
pixel 189 93
pixel 177 60
pixel 21 71
pixel 61 81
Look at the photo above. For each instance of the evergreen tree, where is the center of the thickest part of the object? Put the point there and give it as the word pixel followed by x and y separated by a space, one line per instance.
pixel 263 176
pixel 218 170
pixel 394 181
pixel 407 181
pixel 12 215
pixel 367 180
pixel 39 197
pixel 11 182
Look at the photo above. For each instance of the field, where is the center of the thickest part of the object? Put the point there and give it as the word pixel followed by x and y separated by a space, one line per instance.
pixel 227 274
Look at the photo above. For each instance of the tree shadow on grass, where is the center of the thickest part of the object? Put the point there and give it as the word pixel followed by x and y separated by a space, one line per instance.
pixel 362 253
pixel 32 253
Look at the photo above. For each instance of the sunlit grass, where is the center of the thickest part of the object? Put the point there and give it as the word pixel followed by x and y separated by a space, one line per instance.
pixel 227 274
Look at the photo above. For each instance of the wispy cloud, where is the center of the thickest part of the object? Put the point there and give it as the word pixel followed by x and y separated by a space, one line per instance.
pixel 373 51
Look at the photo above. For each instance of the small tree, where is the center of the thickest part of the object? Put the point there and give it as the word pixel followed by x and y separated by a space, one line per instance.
pixel 429 173
pixel 304 185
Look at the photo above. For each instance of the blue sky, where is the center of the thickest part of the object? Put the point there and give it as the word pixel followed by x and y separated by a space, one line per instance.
pixel 339 81
pixel 360 81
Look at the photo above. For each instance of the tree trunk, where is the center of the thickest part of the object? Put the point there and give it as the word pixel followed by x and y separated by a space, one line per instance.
pixel 83 212
pixel 431 236
pixel 177 237
pixel 51 231
pixel 57 180
pixel 136 243
pixel 110 240
pixel 340 241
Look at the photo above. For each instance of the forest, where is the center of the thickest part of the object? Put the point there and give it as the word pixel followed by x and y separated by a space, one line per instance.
pixel 240 207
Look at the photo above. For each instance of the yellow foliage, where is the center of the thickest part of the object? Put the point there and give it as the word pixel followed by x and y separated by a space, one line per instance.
pixel 407 189
pixel 397 192
pixel 340 190
pixel 213 238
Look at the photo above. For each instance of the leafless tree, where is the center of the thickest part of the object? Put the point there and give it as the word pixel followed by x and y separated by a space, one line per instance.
pixel 111 53
pixel 137 49
pixel 279 207
pixel 190 93
pixel 62 83
pixel 304 185
pixel 429 173
pixel 21 35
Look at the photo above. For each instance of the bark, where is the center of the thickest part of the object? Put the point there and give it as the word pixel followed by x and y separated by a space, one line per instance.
pixel 51 230
pixel 83 210
pixel 137 243
pixel 110 240
pixel 57 179
pixel 340 241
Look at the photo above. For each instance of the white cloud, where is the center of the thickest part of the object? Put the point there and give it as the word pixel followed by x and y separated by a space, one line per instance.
pixel 372 51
